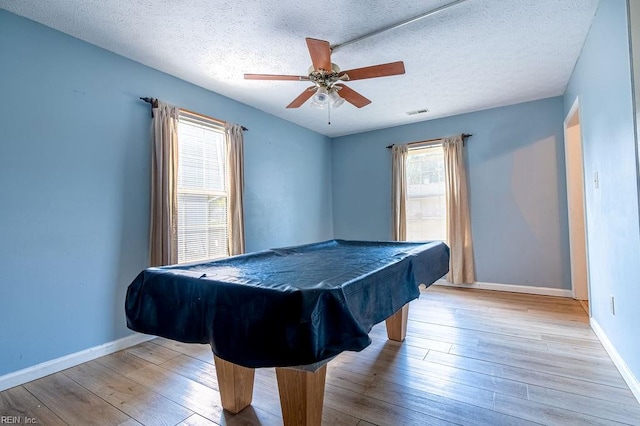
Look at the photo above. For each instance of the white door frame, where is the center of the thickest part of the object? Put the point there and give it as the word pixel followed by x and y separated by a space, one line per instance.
pixel 577 220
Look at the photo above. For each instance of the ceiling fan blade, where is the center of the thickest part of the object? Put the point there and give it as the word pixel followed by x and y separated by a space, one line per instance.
pixel 302 98
pixel 382 70
pixel 275 77
pixel 320 52
pixel 352 96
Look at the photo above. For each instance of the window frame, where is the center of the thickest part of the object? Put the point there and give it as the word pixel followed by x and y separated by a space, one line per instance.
pixel 187 117
pixel 418 147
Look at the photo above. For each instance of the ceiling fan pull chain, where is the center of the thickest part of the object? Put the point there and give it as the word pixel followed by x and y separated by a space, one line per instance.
pixel 329 113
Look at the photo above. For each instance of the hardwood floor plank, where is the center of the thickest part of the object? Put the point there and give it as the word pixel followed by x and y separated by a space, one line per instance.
pixel 397 369
pixel 472 324
pixel 532 377
pixel 347 379
pixel 135 400
pixel 570 329
pixel 197 420
pixel 576 341
pixel 131 422
pixel 443 408
pixel 465 337
pixel 194 369
pixel 122 362
pixel 376 411
pixel 573 316
pixel 560 356
pixel 151 352
pixel 624 413
pixel 545 414
pixel 574 368
pixel 192 395
pixel 195 350
pixel 332 417
pixel 433 390
pixel 568 349
pixel 555 322
pixel 18 403
pixel 414 345
pixel 72 403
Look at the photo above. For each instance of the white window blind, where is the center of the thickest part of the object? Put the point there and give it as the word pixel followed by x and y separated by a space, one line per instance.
pixel 426 205
pixel 202 190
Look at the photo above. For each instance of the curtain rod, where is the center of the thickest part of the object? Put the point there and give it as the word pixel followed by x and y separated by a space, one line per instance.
pixel 464 135
pixel 154 104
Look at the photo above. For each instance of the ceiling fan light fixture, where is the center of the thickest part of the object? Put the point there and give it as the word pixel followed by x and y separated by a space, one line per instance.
pixel 317 104
pixel 321 96
pixel 335 99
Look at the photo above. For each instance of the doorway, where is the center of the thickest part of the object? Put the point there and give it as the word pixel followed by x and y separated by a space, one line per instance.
pixel 574 161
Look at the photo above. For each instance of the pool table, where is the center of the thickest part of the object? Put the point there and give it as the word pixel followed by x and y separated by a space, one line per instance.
pixel 293 308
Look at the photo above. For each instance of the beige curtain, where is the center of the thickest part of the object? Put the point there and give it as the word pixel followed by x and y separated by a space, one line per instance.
pixel 399 191
pixel 461 268
pixel 235 171
pixel 164 172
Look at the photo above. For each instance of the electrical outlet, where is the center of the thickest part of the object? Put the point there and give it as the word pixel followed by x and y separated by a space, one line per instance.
pixel 612 305
pixel 596 180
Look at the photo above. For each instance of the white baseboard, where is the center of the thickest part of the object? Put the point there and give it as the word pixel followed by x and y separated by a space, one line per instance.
pixel 622 366
pixel 544 291
pixel 55 365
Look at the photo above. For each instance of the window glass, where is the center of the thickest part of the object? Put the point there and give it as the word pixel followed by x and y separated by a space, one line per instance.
pixel 202 190
pixel 426 206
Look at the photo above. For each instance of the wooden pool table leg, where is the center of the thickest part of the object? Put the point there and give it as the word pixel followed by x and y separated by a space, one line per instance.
pixel 301 396
pixel 397 324
pixel 235 383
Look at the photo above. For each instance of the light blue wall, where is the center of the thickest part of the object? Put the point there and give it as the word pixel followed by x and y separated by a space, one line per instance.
pixel 74 186
pixel 602 81
pixel 517 184
pixel 288 185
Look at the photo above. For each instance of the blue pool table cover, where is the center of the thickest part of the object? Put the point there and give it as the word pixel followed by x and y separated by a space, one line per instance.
pixel 284 307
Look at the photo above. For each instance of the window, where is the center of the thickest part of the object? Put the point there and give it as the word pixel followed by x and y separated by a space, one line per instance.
pixel 202 189
pixel 426 204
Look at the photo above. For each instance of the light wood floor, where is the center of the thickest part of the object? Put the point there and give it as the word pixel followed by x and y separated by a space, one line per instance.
pixel 471 357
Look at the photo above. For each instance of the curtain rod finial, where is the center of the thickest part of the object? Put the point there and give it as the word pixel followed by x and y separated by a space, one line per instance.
pixel 152 101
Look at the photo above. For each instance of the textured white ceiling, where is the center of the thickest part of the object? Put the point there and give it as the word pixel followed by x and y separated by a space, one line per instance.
pixel 475 55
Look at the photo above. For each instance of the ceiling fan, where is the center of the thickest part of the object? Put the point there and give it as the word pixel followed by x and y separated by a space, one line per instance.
pixel 328 88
